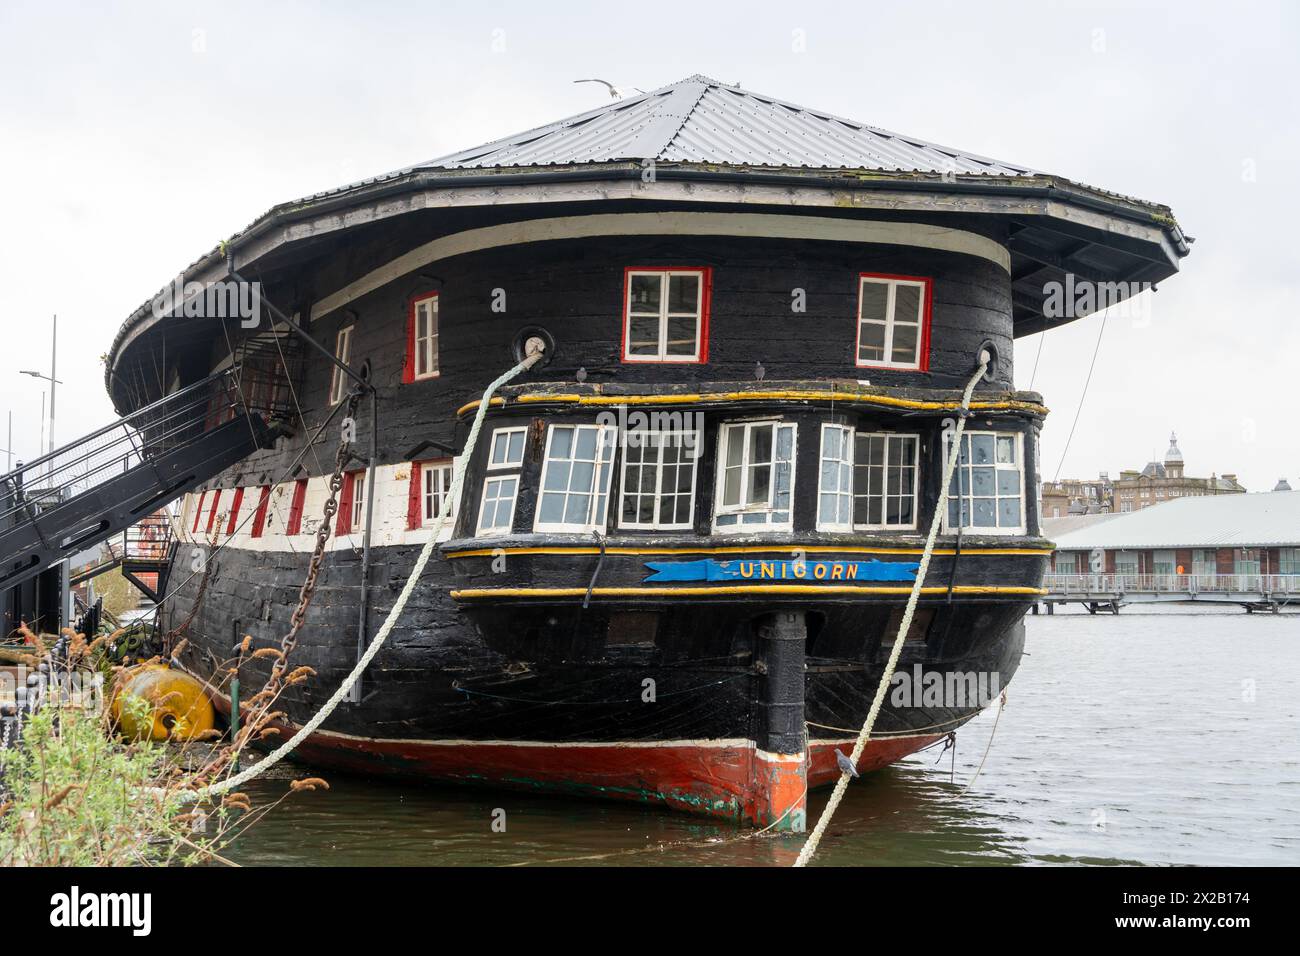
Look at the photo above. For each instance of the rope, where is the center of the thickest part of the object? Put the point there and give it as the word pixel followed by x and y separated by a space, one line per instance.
pixel 842 784
pixel 1002 705
pixel 458 478
pixel 1083 397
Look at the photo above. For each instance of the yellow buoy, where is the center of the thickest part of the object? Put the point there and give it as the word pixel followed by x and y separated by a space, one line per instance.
pixel 175 705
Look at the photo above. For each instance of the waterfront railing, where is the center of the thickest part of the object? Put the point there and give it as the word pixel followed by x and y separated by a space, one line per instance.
pixel 1267 585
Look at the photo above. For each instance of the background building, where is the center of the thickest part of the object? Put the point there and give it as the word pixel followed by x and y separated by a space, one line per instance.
pixel 1255 534
pixel 1133 490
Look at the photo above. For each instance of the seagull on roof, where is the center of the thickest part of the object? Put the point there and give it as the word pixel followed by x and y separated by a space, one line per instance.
pixel 614 92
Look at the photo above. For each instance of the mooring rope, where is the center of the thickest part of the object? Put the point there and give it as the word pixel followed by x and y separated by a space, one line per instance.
pixel 458 478
pixel 814 838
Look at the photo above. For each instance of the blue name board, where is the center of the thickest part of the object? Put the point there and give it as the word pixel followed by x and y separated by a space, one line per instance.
pixel 707 569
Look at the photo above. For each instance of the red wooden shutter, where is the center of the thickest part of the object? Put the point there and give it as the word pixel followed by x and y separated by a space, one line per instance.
pixel 212 515
pixel 198 512
pixel 234 511
pixel 415 498
pixel 259 518
pixel 343 524
pixel 295 507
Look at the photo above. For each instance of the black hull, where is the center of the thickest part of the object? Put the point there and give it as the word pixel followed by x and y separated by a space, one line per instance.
pixel 489 675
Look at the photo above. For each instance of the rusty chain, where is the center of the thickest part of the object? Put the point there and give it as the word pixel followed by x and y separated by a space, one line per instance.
pixel 341 458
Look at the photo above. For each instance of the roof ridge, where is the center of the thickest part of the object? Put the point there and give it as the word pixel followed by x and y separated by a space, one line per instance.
pixel 702 83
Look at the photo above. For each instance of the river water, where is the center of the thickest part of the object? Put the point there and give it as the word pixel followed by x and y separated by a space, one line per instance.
pixel 1161 736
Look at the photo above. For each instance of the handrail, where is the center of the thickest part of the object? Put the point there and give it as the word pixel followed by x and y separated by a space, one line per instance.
pixel 126 420
pixel 1125 583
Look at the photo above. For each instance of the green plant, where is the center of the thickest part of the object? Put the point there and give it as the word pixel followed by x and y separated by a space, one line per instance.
pixel 78 796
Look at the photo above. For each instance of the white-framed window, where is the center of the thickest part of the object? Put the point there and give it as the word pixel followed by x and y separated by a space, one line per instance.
pixel 986 494
pixel 885 469
pixel 755 476
pixel 892 319
pixel 424 340
pixel 496 513
pixel 868 480
pixel 435 486
pixel 576 473
pixel 1288 561
pixel 835 490
pixel 658 481
pixel 358 500
pixel 666 315
pixel 342 352
pixel 507 448
pixel 1126 562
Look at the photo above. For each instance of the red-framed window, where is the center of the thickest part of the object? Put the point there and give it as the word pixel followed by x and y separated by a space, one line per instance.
pixel 299 499
pixel 421 339
pixel 666 314
pixel 430 485
pixel 234 512
pixel 259 516
pixel 893 321
pixel 352 503
pixel 198 512
pixel 212 515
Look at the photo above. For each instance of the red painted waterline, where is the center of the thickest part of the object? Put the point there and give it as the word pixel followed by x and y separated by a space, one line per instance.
pixel 715 780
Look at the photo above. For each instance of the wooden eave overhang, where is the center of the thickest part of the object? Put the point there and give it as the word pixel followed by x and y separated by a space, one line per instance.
pixel 1055 227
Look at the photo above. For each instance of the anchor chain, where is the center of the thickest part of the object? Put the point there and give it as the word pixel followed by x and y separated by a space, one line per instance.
pixel 308 590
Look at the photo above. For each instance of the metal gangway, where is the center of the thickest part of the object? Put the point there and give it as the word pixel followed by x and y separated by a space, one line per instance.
pixel 1110 591
pixel 106 482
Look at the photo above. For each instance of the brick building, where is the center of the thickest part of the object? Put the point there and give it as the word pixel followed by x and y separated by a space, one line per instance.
pixel 1133 490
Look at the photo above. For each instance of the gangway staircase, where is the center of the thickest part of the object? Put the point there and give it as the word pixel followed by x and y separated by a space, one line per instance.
pixel 124 474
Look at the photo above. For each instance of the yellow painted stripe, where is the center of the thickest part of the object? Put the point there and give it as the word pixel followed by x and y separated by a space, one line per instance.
pixel 802 395
pixel 472 593
pixel 740 549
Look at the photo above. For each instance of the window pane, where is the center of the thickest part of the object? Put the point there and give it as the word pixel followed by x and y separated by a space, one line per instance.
pixel 875 300
pixel 1009 512
pixel 905 341
pixel 983 511
pixel 1006 449
pixel 760 484
pixel 683 293
pixel 681 335
pixel 981 449
pixel 760 444
pixel 982 481
pixel 645 293
pixel 557 476
pixel 907 304
pixel 643 335
pixel 515 455
pixel 551 509
pixel 871 345
pixel 1008 482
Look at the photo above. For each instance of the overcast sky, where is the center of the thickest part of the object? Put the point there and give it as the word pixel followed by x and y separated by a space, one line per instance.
pixel 134 136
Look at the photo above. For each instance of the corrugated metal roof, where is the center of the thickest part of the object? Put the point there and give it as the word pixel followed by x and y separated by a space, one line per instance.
pixel 700 120
pixel 1267 519
pixel 1056 528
